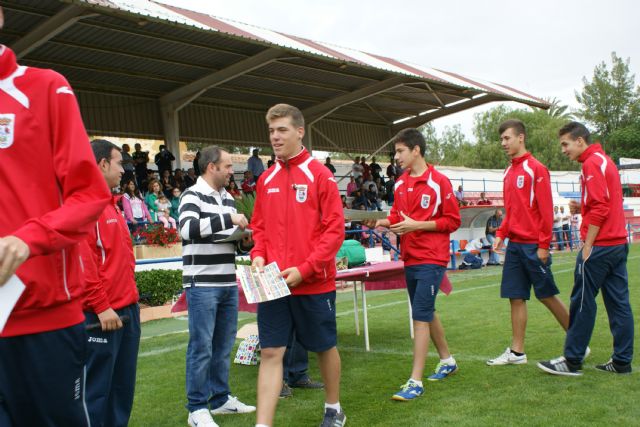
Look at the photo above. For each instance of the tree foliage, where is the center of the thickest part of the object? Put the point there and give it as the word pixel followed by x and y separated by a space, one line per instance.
pixel 610 100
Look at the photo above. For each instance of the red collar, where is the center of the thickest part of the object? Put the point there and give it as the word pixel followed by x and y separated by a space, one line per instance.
pixel 517 160
pixel 591 149
pixel 299 158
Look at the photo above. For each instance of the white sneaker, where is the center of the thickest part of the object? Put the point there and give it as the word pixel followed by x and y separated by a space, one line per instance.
pixel 233 406
pixel 587 353
pixel 508 358
pixel 201 418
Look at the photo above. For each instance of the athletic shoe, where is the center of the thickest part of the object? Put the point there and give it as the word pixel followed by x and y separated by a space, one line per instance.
pixel 286 391
pixel 587 352
pixel 333 418
pixel 307 382
pixel 233 406
pixel 201 418
pixel 508 358
pixel 614 367
pixel 443 371
pixel 410 390
pixel 560 366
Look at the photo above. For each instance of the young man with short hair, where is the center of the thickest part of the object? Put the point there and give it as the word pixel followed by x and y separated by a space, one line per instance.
pixel 111 295
pixel 528 224
pixel 424 214
pixel 601 263
pixel 298 222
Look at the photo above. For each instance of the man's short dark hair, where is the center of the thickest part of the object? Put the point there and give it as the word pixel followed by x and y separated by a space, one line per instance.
pixel 576 130
pixel 102 149
pixel 515 124
pixel 411 137
pixel 208 155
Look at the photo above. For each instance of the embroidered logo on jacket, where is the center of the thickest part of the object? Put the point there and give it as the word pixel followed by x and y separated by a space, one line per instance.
pixel 520 181
pixel 7 127
pixel 301 192
pixel 426 199
pixel 273 190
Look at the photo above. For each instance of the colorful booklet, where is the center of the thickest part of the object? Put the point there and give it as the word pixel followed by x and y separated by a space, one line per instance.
pixel 262 286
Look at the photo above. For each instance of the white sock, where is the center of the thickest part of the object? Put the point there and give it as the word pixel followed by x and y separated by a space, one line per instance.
pixel 335 406
pixel 448 361
pixel 416 381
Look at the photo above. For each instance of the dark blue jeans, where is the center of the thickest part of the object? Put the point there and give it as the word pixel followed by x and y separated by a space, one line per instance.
pixel 605 269
pixel 296 362
pixel 213 322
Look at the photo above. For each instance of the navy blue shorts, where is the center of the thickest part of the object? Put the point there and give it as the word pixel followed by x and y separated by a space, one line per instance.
pixel 312 317
pixel 522 269
pixel 423 284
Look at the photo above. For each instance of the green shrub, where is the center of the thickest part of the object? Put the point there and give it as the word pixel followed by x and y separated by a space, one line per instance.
pixel 157 287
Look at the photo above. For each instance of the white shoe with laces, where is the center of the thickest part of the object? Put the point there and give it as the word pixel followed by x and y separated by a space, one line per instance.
pixel 201 418
pixel 233 406
pixel 508 358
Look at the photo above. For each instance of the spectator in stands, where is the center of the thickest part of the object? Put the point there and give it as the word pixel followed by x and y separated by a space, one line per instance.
pixel 133 205
pixel 248 183
pixel 255 165
pixel 483 200
pixel 152 196
pixel 327 163
pixel 352 186
pixel 175 203
pixel 191 178
pixel 178 179
pixel 232 189
pixel 566 234
pixel 367 183
pixel 127 163
pixel 366 170
pixel 163 211
pixel 360 201
pixel 391 169
pixel 557 228
pixel 140 161
pixel 151 176
pixel 344 202
pixel 356 168
pixel 460 196
pixel 167 182
pixel 382 190
pixel 196 164
pixel 493 223
pixel 576 220
pixel 390 188
pixel 372 197
pixel 376 169
pixel 164 160
pixel 271 161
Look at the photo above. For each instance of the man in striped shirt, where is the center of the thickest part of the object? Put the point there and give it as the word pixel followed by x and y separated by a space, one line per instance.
pixel 208 215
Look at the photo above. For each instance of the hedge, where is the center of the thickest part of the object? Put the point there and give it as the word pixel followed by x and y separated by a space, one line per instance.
pixel 157 287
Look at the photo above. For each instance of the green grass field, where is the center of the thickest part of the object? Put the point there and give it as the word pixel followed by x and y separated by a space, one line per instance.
pixel 477 325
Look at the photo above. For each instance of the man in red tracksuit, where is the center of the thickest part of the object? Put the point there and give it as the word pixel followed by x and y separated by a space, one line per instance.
pixel 48 205
pixel 528 225
pixel 601 263
pixel 298 222
pixel 425 212
pixel 111 295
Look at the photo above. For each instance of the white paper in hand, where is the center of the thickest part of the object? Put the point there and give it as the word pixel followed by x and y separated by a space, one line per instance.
pixel 9 294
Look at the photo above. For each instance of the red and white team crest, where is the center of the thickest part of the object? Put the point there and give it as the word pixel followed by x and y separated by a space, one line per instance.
pixel 7 122
pixel 426 199
pixel 301 193
pixel 520 181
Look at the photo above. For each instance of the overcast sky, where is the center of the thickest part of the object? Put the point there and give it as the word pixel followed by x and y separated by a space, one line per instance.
pixel 541 47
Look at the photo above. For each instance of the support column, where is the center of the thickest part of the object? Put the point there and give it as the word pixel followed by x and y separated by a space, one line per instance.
pixel 171 127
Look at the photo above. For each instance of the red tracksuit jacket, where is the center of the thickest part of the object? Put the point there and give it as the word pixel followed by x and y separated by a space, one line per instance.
pixel 602 203
pixel 528 202
pixel 298 221
pixel 52 193
pixel 428 197
pixel 111 253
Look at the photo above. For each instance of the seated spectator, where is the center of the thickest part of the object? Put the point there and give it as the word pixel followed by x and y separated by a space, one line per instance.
pixel 352 186
pixel 135 210
pixel 372 196
pixel 191 178
pixel 344 202
pixel 152 196
pixel 167 182
pixel 163 210
pixel 178 179
pixel 248 183
pixel 232 189
pixel 360 201
pixel 483 200
pixel 175 203
pixel 460 196
pixel 390 186
pixel 327 163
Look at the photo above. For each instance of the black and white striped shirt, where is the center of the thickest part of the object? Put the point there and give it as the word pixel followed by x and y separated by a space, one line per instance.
pixel 205 217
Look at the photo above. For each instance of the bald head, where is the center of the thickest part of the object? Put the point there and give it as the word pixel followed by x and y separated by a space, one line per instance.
pixel 1 18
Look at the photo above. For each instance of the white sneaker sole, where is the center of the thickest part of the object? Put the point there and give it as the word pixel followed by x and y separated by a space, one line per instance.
pixel 228 412
pixel 564 374
pixel 515 362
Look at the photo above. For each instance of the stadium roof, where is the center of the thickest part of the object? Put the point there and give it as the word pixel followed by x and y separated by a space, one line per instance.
pixel 149 70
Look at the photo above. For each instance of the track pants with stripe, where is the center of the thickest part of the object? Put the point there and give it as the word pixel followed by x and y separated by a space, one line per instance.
pixel 604 270
pixel 42 379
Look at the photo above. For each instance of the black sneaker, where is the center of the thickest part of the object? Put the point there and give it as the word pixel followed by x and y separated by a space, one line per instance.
pixel 307 382
pixel 286 391
pixel 333 418
pixel 615 367
pixel 560 366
